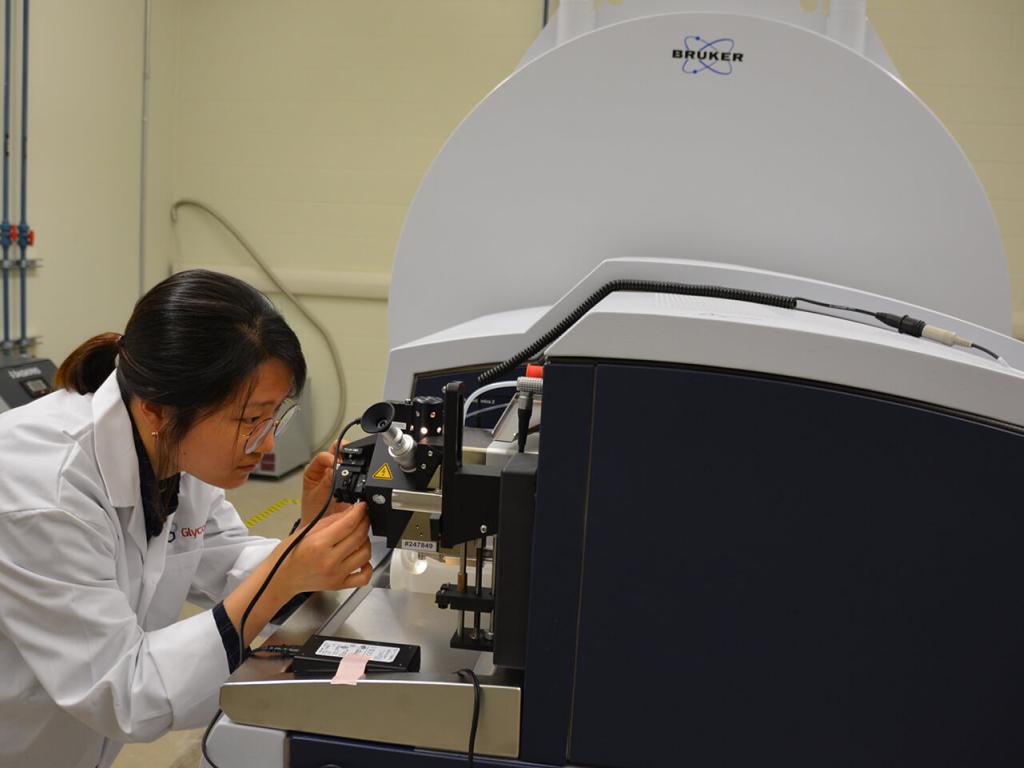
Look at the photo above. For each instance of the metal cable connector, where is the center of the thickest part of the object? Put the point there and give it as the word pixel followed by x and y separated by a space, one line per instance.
pixel 530 384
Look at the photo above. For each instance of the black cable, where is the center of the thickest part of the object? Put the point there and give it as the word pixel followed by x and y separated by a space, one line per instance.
pixel 905 324
pixel 986 351
pixel 835 306
pixel 206 736
pixel 242 647
pixel 276 651
pixel 476 712
pixel 525 415
pixel 637 286
pixel 902 323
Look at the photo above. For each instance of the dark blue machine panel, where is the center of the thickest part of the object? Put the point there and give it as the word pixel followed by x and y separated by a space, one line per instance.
pixel 306 751
pixel 782 574
pixel 733 570
pixel 562 476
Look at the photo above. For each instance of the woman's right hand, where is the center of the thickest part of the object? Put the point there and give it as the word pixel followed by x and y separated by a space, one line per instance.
pixel 334 555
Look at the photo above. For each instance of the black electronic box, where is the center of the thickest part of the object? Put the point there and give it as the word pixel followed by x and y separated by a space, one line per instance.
pixel 321 654
pixel 23 379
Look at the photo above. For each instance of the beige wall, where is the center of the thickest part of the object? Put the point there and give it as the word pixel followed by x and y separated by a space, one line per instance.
pixel 311 129
pixel 966 61
pixel 161 245
pixel 85 95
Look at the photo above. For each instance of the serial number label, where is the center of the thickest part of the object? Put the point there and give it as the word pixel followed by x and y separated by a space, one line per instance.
pixel 422 546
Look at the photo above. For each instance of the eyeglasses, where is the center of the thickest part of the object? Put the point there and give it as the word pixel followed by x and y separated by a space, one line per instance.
pixel 259 433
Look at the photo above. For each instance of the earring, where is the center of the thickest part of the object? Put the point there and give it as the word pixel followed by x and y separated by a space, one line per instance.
pixel 155 435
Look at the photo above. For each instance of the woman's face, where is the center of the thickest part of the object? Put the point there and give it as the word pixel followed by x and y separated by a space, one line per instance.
pixel 214 449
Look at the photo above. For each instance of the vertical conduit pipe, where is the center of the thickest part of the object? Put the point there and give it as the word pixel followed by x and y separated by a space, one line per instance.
pixel 144 161
pixel 6 224
pixel 23 228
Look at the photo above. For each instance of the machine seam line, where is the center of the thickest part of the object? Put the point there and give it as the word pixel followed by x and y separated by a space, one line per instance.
pixel 583 558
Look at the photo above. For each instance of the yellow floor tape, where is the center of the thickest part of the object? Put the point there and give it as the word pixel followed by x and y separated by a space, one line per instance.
pixel 277 505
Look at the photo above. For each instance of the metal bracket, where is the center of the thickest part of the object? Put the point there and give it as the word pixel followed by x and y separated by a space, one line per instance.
pixel 18 344
pixel 9 264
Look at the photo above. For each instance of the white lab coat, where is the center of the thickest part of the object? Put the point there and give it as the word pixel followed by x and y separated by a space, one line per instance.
pixel 91 652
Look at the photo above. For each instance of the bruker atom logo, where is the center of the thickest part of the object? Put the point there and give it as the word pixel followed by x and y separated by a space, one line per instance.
pixel 700 55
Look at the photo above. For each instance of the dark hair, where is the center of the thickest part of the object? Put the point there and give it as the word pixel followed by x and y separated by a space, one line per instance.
pixel 193 343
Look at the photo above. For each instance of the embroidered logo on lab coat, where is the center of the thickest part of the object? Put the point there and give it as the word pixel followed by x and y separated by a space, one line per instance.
pixel 190 533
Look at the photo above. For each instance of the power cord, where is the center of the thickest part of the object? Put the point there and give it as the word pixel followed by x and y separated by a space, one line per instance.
pixel 243 650
pixel 263 265
pixel 476 712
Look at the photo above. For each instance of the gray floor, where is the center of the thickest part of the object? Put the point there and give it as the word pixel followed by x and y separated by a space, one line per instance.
pixel 180 749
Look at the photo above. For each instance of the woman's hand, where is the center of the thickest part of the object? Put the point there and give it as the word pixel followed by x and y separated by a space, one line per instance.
pixel 316 488
pixel 335 554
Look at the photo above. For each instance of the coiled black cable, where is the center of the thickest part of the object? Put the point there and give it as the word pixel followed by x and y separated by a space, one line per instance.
pixel 637 286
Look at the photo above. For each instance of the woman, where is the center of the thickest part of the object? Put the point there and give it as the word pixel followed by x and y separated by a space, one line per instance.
pixel 112 514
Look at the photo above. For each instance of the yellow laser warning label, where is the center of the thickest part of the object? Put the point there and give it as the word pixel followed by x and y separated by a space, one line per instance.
pixel 384 473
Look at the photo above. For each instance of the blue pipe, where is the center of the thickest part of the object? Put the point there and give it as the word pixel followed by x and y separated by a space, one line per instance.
pixel 23 227
pixel 5 226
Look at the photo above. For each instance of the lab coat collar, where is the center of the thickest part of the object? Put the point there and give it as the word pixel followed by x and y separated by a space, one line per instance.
pixel 115 456
pixel 119 467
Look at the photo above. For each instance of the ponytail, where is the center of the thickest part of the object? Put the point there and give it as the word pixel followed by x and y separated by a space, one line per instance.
pixel 89 366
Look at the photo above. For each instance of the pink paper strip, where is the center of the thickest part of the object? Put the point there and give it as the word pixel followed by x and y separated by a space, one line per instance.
pixel 350 669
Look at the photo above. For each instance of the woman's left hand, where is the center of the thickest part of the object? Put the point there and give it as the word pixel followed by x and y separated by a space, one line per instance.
pixel 316 487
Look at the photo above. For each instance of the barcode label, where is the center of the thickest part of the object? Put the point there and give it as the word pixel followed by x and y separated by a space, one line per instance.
pixel 382 653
